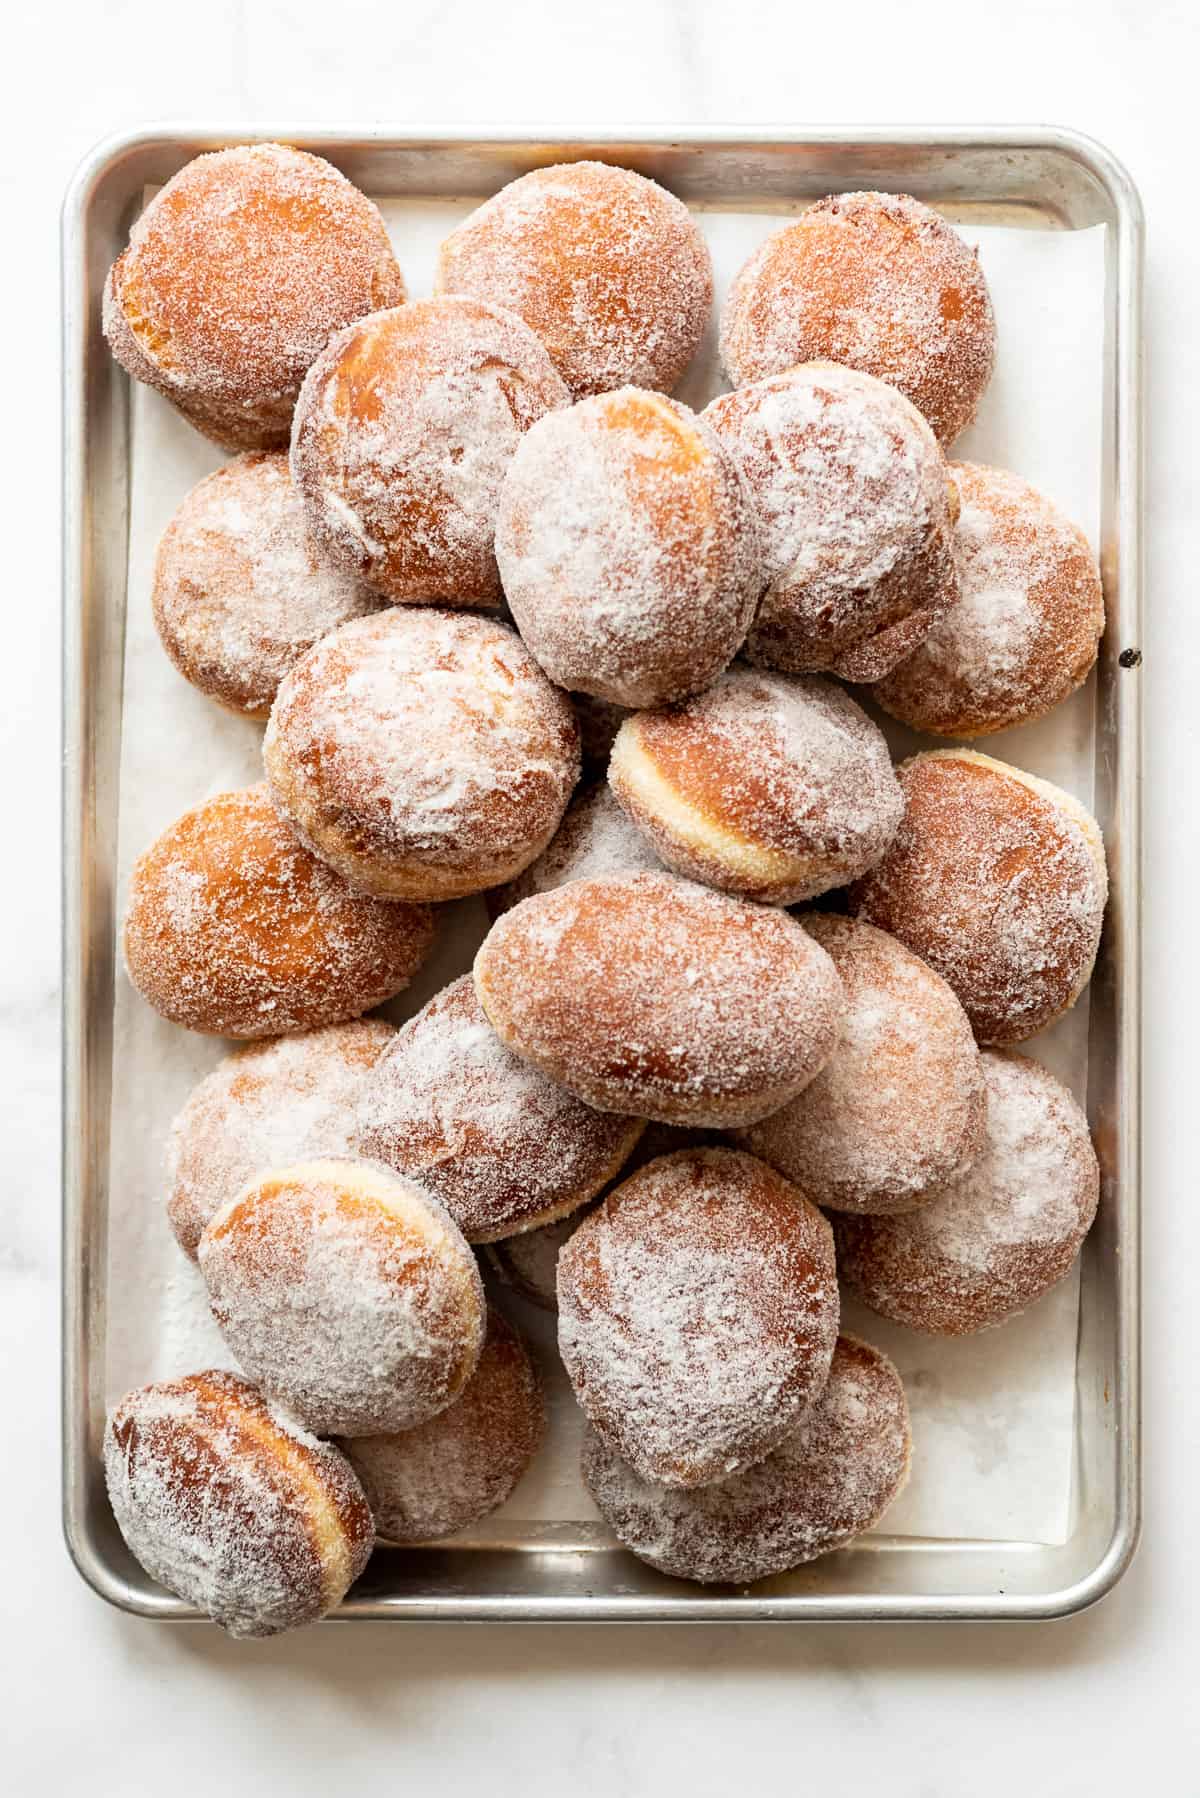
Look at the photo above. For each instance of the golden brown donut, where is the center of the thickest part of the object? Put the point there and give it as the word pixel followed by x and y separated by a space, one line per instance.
pixel 240 590
pixel 997 879
pixel 423 754
pixel 628 548
pixel 646 994
pixel 232 1506
pixel 697 1314
pixel 900 1106
pixel 876 281
pixel 855 515
pixel 1025 632
pixel 235 277
pixel 437 1479
pixel 608 268
pixel 404 428
pixel 772 786
pixel 596 836
pixel 347 1293
pixel 987 1245
pixel 833 1478
pixel 234 929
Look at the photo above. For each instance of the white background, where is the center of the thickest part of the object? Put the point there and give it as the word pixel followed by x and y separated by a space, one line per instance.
pixel 104 1704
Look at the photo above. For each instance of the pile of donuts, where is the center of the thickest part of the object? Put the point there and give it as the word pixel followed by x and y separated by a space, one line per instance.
pixel 466 549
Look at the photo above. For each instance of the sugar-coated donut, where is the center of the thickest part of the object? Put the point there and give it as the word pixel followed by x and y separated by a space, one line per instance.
pixel 987 1245
pixel 421 753
pixel 240 590
pixel 502 1147
pixel 607 267
pixel 650 995
pixel 348 1293
pixel 697 1314
pixel 628 548
pixel 1025 632
pixel 269 1105
pixel 235 277
pixel 404 429
pixel 997 879
pixel 232 1506
pixel 833 1478
pixel 437 1479
pixel 855 517
pixel 234 929
pixel 596 836
pixel 776 787
pixel 900 1106
pixel 876 281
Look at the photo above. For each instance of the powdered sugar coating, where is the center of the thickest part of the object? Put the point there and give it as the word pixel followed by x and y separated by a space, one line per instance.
pixel 607 267
pixel 233 1506
pixel 650 995
pixel 900 1106
pixel 595 837
pixel 987 1245
pixel 879 282
pixel 422 753
pixel 697 1314
pixel 628 548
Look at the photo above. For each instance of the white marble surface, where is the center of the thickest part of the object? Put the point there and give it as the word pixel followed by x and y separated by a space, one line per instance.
pixel 104 1704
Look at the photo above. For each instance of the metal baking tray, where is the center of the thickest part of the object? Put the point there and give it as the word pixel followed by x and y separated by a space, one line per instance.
pixel 1030 177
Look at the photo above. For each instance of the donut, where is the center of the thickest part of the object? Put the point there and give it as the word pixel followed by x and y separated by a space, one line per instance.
pixel 232 1506
pixel 855 515
pixel 236 275
pixel 234 929
pixel 997 879
pixel 900 1106
pixel 503 1148
pixel 987 1245
pixel 608 268
pixel 273 1103
pixel 422 753
pixel 834 1477
pixel 1024 634
pixel 876 281
pixel 628 548
pixel 403 431
pixel 599 722
pixel 347 1293
pixel 649 995
pixel 528 1263
pixel 697 1314
pixel 772 786
pixel 437 1479
pixel 596 836
pixel 240 591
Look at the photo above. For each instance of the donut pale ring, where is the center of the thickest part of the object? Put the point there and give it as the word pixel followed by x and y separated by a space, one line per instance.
pixel 998 881
pixel 233 928
pixel 649 995
pixel 595 837
pixel 987 1245
pixel 900 1106
pixel 269 1105
pixel 697 1314
pixel 1025 632
pixel 772 786
pixel 423 754
pixel 232 1506
pixel 347 1293
pixel 404 429
pixel 435 1480
pixel 608 268
pixel 833 1478
pixel 855 517
pixel 628 548
pixel 240 590
pixel 876 281
pixel 501 1146
pixel 235 278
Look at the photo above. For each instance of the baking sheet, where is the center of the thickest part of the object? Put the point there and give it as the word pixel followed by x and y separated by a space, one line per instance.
pixel 993 1416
